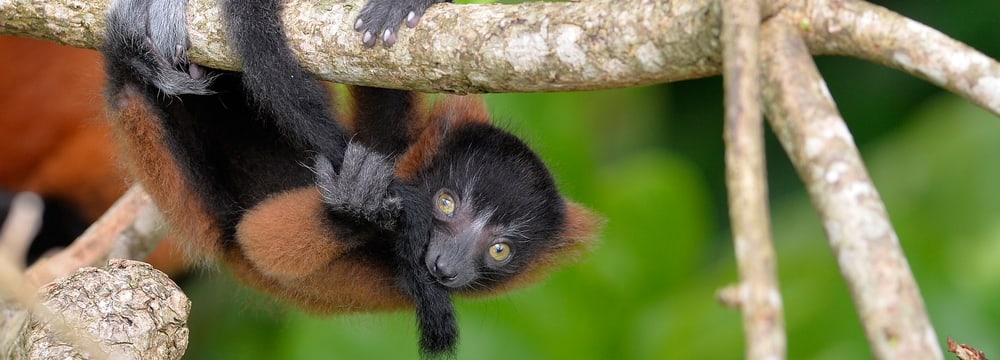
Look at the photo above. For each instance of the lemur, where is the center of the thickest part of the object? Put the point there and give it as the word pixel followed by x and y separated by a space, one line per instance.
pixel 255 169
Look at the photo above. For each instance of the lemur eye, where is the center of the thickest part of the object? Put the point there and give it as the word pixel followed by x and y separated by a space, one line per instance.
pixel 446 204
pixel 500 251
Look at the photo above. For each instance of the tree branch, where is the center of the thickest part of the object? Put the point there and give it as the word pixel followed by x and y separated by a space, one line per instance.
pixel 132 310
pixel 597 44
pixel 456 48
pixel 128 309
pixel 874 33
pixel 132 226
pixel 757 293
pixel 820 146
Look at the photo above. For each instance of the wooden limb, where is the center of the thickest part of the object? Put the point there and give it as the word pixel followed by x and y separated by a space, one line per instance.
pixel 808 125
pixel 15 290
pixel 132 226
pixel 867 31
pixel 534 46
pixel 126 310
pixel 135 313
pixel 757 293
pixel 20 226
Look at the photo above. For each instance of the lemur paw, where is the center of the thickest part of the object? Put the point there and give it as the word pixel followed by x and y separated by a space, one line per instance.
pixel 381 19
pixel 168 32
pixel 149 38
pixel 361 190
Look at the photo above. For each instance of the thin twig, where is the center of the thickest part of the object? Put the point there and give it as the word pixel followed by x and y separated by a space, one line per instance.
pixel 22 223
pixel 965 351
pixel 823 152
pixel 758 295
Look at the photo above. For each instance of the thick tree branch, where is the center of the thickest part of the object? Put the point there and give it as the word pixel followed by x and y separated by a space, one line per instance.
pixel 128 309
pixel 596 44
pixel 757 293
pixel 816 138
pixel 546 46
pixel 456 48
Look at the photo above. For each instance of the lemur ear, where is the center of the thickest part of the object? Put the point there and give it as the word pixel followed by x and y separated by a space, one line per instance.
pixel 578 236
pixel 448 111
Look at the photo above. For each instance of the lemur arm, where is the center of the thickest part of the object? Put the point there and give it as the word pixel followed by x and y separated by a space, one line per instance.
pixel 386 120
pixel 298 104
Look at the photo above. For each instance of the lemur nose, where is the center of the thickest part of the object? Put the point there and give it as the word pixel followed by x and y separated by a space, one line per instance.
pixel 442 271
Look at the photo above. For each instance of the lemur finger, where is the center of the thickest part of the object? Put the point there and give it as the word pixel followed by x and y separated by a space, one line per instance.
pixel 413 18
pixel 389 37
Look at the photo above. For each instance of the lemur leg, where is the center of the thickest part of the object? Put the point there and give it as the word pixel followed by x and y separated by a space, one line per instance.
pixel 386 120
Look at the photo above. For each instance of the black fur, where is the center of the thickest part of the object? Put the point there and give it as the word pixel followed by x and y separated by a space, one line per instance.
pixel 380 19
pixel 128 20
pixel 382 118
pixel 253 134
pixel 242 137
pixel 361 189
pixel 515 196
pixel 296 103
pixel 435 312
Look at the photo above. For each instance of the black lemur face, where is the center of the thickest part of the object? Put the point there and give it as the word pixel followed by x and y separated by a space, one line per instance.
pixel 495 207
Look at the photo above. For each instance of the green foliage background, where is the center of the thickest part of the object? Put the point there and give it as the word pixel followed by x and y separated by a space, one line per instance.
pixel 650 160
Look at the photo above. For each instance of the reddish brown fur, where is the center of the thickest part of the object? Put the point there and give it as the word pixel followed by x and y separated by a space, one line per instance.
pixel 448 111
pixel 54 140
pixel 285 236
pixel 144 152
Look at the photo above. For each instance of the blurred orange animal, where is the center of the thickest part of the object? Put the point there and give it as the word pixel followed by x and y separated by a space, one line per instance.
pixel 54 140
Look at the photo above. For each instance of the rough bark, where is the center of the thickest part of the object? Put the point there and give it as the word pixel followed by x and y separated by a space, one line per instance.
pixel 125 310
pixel 130 309
pixel 821 148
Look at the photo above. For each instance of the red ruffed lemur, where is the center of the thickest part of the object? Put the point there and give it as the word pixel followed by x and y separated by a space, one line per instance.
pixel 254 168
pixel 55 142
pixel 50 142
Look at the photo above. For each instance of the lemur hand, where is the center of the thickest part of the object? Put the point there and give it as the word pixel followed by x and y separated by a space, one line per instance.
pixel 361 190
